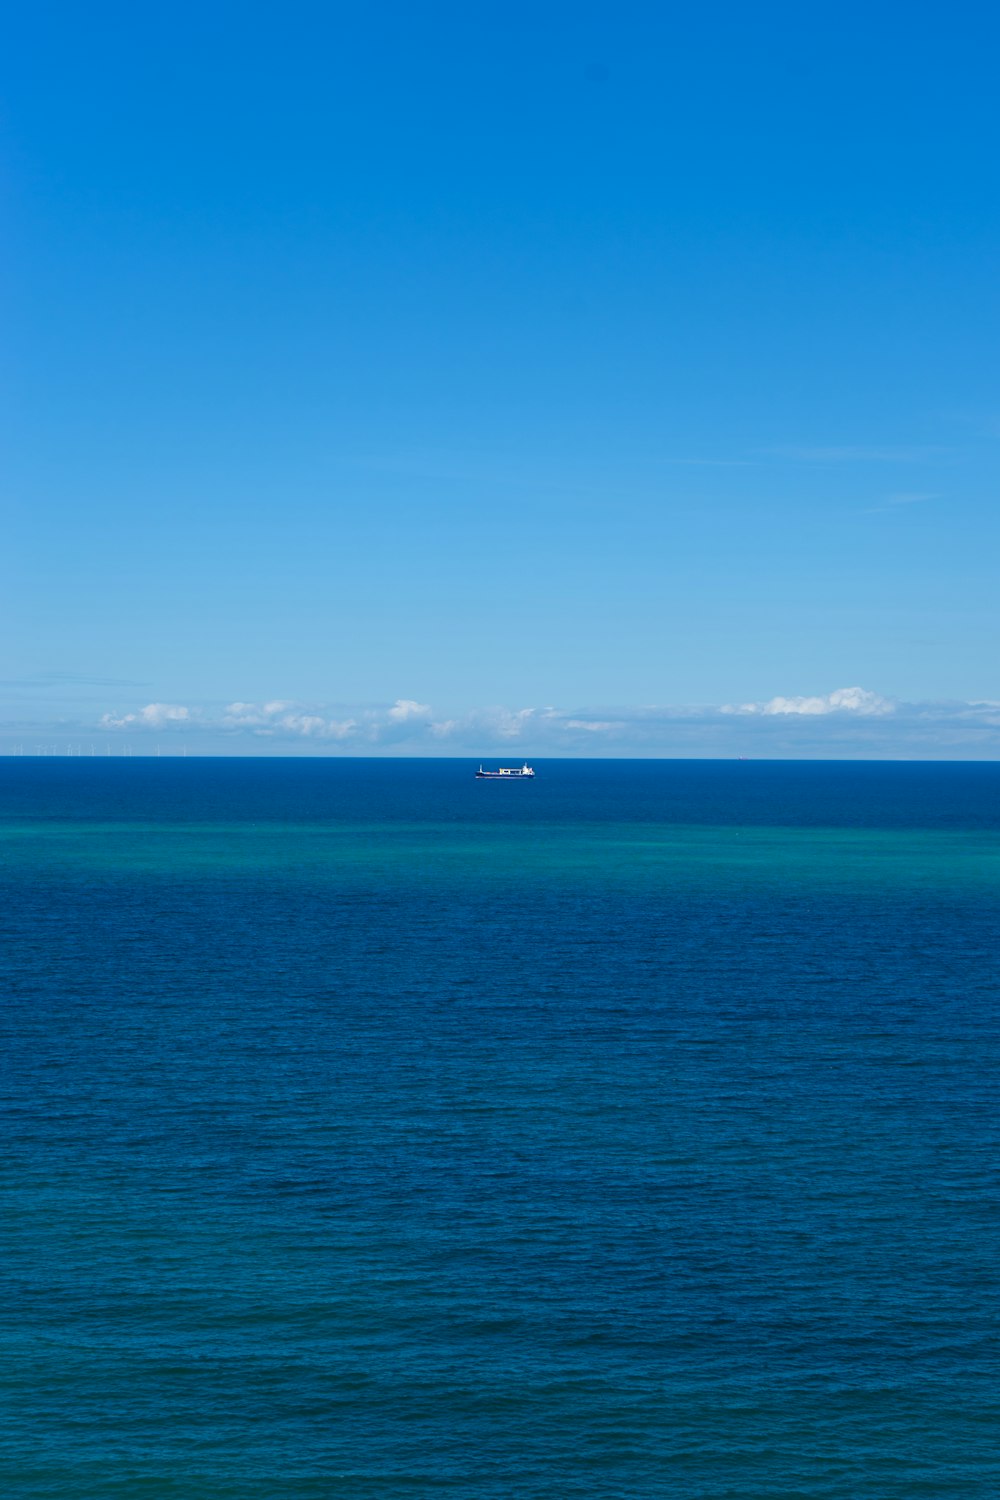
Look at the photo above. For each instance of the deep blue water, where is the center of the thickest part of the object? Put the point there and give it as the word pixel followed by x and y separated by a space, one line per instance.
pixel 370 1132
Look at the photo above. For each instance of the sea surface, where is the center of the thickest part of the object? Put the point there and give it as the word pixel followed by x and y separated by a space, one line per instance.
pixel 373 1133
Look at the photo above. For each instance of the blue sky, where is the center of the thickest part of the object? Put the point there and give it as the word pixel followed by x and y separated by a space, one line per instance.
pixel 592 379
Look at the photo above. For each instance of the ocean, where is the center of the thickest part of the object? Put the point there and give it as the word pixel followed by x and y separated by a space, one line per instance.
pixel 375 1133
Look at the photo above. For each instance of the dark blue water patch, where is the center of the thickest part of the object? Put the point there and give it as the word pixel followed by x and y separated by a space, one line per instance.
pixel 795 794
pixel 397 1174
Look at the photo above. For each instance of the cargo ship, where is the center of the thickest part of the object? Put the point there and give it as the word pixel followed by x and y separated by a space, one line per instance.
pixel 504 773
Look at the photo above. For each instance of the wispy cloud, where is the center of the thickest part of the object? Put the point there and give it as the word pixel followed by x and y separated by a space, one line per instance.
pixel 49 680
pixel 902 498
pixel 714 463
pixel 844 453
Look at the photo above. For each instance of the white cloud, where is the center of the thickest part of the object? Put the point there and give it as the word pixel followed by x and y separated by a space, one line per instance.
pixel 406 709
pixel 303 723
pixel 242 713
pixel 249 715
pixel 854 700
pixel 281 715
pixel 158 714
pixel 153 716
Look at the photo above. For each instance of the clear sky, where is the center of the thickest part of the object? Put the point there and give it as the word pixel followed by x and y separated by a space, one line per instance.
pixel 449 378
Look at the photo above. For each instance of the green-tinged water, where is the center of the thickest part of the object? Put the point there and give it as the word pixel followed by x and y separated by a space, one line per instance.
pixel 837 858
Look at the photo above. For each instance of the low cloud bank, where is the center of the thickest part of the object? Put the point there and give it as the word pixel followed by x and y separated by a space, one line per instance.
pixel 852 721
